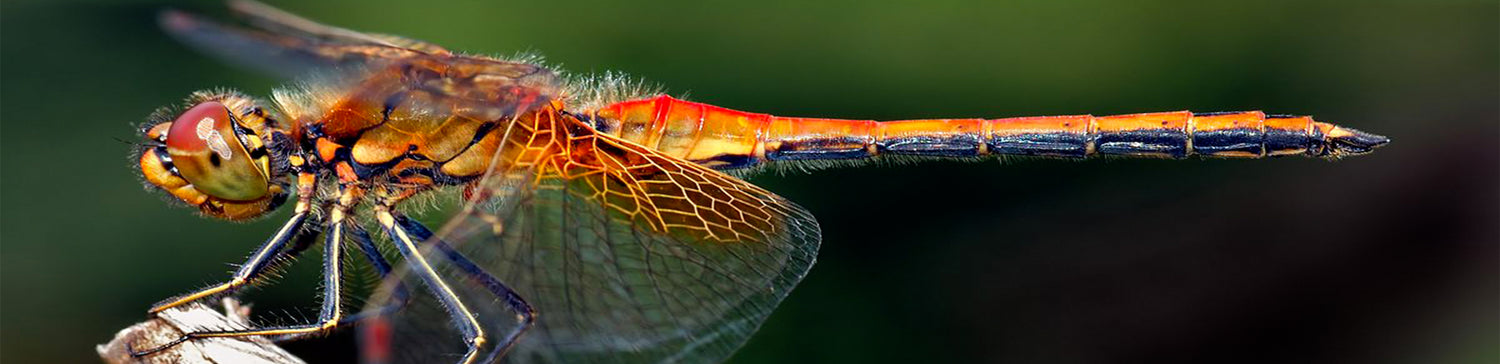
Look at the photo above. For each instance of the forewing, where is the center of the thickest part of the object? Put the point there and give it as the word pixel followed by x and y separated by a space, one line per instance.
pixel 629 255
pixel 367 79
pixel 285 55
pixel 286 45
pixel 277 21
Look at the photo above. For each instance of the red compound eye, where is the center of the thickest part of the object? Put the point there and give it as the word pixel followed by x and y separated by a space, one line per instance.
pixel 196 131
pixel 208 154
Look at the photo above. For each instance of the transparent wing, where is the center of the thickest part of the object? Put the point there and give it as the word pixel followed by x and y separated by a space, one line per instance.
pixel 367 75
pixel 281 22
pixel 286 45
pixel 626 254
pixel 286 53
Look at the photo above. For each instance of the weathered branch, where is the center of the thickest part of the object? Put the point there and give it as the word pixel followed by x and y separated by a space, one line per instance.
pixel 171 324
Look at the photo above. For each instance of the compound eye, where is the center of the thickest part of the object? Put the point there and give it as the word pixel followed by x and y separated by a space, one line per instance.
pixel 207 153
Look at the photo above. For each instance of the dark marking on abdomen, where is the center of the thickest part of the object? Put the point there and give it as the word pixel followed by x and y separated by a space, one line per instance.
pixel 824 148
pixel 949 146
pixel 1073 145
pixel 1237 142
pixel 1171 143
pixel 1285 141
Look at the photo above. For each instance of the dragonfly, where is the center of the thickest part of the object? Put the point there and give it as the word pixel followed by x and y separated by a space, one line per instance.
pixel 598 220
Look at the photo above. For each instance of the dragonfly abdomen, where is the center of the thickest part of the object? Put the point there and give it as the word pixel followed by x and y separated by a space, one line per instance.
pixel 729 139
pixel 1153 135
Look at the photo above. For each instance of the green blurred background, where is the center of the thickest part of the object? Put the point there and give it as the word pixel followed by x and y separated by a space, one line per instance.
pixel 1387 258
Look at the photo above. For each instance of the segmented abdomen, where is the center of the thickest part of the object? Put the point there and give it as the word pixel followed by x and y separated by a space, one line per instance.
pixel 729 139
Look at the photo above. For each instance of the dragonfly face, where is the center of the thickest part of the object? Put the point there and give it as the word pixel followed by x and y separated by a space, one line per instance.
pixel 213 156
pixel 598 223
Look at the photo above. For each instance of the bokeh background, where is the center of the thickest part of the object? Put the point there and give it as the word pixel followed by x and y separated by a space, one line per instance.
pixel 1387 258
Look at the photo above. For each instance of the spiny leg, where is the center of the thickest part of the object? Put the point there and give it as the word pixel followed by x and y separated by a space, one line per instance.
pixel 263 257
pixel 249 271
pixel 304 239
pixel 383 269
pixel 406 243
pixel 525 314
pixel 330 315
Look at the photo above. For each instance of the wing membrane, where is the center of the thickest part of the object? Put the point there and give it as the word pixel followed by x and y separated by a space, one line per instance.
pixel 627 255
pixel 367 74
pixel 277 21
pixel 633 256
pixel 282 54
pixel 290 46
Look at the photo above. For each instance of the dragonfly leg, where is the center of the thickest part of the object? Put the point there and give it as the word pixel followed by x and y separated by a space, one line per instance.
pixel 304 240
pixel 252 268
pixel 406 243
pixel 262 257
pixel 525 313
pixel 382 268
pixel 330 316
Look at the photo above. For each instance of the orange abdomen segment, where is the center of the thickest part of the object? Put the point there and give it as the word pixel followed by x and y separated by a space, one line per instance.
pixel 728 139
pixel 709 135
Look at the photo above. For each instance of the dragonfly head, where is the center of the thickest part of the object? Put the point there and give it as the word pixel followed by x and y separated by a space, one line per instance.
pixel 223 155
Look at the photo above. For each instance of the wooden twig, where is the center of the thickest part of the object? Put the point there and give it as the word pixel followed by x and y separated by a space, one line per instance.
pixel 171 324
